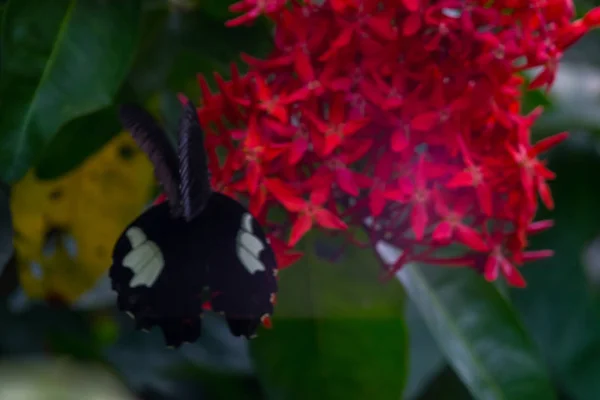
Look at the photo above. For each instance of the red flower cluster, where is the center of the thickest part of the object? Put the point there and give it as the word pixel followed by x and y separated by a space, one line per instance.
pixel 400 116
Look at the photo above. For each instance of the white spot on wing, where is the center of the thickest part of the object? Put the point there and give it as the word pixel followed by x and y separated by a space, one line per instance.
pixel 252 243
pixel 145 259
pixel 149 274
pixel 138 257
pixel 250 262
pixel 247 222
pixel 249 246
pixel 136 236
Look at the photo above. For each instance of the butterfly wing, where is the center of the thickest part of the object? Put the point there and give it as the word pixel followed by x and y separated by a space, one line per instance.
pixel 159 275
pixel 241 266
pixel 195 186
pixel 153 140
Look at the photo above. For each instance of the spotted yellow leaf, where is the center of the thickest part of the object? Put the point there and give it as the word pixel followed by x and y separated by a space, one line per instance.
pixel 65 229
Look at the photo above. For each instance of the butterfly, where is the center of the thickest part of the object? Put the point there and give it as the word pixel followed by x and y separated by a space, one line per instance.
pixel 197 244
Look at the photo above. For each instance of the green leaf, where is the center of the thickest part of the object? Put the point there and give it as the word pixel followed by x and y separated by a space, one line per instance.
pixel 61 60
pixel 179 45
pixel 426 359
pixel 218 8
pixel 76 141
pixel 559 307
pixel 338 332
pixel 479 333
pixel 217 385
pixel 143 361
pixel 446 385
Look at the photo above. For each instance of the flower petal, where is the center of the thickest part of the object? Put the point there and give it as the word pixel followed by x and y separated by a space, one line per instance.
pixel 301 226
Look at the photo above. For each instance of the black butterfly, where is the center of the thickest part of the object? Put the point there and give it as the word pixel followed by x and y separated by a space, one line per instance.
pixel 197 242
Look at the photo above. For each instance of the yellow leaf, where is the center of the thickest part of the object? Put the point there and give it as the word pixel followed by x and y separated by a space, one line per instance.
pixel 89 206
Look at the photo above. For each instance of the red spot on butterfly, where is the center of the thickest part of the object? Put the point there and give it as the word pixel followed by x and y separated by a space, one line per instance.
pixel 266 321
pixel 160 199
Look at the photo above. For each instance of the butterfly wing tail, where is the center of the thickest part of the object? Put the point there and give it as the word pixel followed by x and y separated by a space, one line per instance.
pixel 153 140
pixel 195 186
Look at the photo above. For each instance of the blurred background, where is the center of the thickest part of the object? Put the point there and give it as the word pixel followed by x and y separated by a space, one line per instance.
pixel 338 332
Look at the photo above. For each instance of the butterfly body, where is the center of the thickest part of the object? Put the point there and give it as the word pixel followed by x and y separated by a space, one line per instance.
pixel 175 254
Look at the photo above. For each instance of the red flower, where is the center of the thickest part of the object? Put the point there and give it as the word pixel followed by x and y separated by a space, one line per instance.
pixel 252 9
pixel 402 112
pixel 285 254
pixel 453 226
pixel 337 129
pixel 310 212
